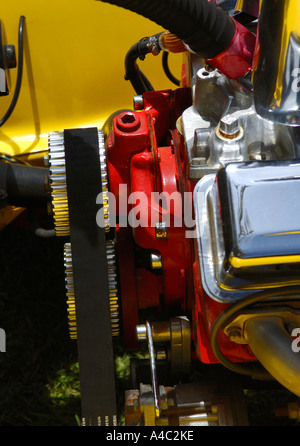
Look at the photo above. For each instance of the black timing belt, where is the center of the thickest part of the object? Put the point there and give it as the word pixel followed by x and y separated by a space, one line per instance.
pixel 90 276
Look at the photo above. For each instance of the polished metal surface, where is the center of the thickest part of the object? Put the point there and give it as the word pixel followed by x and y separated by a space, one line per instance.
pixel 276 76
pixel 153 369
pixel 215 99
pixel 210 241
pixel 227 5
pixel 58 183
pixel 272 345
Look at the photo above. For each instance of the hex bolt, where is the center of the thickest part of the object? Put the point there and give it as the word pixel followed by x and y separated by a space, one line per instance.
pixel 235 335
pixel 199 161
pixel 161 230
pixel 161 355
pixel 46 161
pixel 156 261
pixel 138 102
pixel 229 126
pixel 128 122
pixel 141 332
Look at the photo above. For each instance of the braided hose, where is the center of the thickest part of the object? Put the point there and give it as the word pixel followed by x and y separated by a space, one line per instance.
pixel 204 27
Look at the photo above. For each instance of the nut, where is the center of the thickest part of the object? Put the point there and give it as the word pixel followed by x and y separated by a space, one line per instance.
pixel 229 126
pixel 138 102
pixel 235 335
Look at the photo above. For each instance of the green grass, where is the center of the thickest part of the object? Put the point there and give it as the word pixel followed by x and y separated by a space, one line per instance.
pixel 38 348
pixel 39 373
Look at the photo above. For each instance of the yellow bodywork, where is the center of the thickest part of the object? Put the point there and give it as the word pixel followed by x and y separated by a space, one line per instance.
pixel 73 73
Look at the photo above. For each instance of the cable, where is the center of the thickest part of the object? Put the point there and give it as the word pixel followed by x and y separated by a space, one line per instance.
pixel 167 71
pixel 133 73
pixel 19 73
pixel 12 158
pixel 250 370
pixel 36 229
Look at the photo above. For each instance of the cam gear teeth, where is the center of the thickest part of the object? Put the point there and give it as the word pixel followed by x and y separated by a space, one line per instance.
pixel 104 179
pixel 58 182
pixel 70 291
pixel 112 286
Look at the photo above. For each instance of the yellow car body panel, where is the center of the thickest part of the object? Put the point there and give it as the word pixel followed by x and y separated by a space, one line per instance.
pixel 73 73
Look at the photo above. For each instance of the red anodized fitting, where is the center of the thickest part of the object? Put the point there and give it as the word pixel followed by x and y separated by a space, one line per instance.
pixel 236 60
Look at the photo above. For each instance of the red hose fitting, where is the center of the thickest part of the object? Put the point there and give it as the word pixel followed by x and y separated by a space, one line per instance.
pixel 236 60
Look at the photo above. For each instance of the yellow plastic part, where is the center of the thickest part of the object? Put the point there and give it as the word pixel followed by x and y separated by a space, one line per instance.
pixel 73 73
pixel 237 262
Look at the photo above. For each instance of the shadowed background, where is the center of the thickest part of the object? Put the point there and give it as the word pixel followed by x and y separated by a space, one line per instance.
pixel 39 380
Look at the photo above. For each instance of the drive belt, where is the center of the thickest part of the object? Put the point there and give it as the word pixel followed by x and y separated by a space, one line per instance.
pixel 90 277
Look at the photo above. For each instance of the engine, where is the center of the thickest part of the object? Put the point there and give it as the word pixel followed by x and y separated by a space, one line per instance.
pixel 183 231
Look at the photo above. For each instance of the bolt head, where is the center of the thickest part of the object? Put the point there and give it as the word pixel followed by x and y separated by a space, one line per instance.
pixel 229 125
pixel 138 102
pixel 156 261
pixel 235 335
pixel 141 332
pixel 46 161
pixel 161 230
pixel 199 161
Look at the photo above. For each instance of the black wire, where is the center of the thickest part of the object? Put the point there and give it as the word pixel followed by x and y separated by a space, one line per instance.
pixel 229 313
pixel 19 73
pixel 11 158
pixel 167 71
pixel 137 78
pixel 36 229
pixel 146 81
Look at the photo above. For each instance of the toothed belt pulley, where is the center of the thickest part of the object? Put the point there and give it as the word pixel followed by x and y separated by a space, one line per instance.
pixel 112 283
pixel 60 210
pixel 78 174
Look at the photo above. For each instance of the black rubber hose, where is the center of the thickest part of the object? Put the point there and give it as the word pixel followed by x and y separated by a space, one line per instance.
pixel 132 72
pixel 167 71
pixel 24 185
pixel 204 27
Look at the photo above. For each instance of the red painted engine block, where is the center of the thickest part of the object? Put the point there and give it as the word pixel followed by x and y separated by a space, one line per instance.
pixel 146 156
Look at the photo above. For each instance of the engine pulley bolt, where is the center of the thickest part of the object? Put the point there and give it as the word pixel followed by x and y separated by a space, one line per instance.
pixel 235 335
pixel 156 261
pixel 161 355
pixel 229 126
pixel 138 102
pixel 161 230
pixel 141 332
